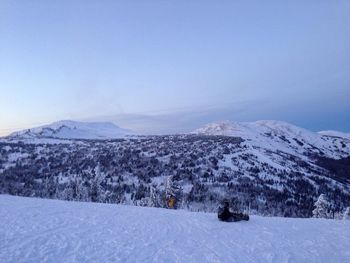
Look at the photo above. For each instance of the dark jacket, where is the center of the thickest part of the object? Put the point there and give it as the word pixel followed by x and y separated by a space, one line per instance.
pixel 224 213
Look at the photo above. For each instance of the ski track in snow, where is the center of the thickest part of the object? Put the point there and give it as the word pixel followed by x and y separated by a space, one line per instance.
pixel 38 230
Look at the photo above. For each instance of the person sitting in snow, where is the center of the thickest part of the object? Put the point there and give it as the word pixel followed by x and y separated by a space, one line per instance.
pixel 224 214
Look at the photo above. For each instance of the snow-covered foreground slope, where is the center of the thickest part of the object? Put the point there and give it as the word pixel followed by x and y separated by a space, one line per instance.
pixel 38 230
pixel 68 129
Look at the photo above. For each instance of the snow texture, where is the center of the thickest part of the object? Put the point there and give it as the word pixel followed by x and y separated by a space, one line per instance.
pixel 38 230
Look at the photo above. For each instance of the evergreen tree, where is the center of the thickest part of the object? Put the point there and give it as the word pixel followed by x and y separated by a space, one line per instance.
pixel 152 200
pixel 321 207
pixel 95 191
pixel 49 187
pixel 68 192
pixel 83 191
pixel 154 196
pixel 171 187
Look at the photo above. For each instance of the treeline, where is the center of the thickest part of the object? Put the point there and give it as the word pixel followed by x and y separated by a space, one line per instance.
pixel 134 171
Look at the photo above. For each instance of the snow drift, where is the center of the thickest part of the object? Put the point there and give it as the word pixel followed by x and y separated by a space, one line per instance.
pixel 38 230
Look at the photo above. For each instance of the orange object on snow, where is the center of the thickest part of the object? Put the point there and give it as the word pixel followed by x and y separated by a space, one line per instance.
pixel 171 202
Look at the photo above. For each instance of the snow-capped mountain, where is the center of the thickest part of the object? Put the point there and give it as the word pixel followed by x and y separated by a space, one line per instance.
pixel 68 129
pixel 278 135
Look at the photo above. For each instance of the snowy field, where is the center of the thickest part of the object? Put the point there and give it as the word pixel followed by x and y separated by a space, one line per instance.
pixel 38 230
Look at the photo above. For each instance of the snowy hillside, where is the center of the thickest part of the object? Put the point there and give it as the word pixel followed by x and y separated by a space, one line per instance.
pixel 274 174
pixel 335 134
pixel 74 130
pixel 277 135
pixel 37 230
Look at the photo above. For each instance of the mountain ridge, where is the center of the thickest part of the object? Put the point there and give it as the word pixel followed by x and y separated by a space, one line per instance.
pixel 68 129
pixel 273 168
pixel 272 134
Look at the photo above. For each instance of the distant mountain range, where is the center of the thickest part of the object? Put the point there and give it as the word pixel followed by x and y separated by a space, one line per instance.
pixel 254 131
pixel 68 129
pixel 268 167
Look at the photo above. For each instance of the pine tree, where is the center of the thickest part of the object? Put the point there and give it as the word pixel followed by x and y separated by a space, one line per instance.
pixel 68 192
pixel 49 188
pixel 95 191
pixel 171 188
pixel 346 215
pixel 154 196
pixel 83 191
pixel 322 205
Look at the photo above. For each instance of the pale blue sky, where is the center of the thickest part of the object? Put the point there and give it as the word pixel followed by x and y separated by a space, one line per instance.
pixel 171 66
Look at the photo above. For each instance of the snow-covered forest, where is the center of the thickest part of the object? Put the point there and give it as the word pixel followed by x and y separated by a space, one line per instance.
pixel 206 169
